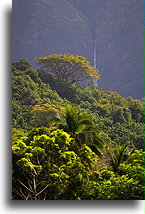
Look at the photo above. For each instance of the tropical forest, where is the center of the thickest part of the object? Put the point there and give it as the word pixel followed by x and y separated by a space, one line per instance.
pixel 71 139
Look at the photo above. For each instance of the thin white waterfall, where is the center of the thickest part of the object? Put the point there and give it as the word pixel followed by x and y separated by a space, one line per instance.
pixel 95 49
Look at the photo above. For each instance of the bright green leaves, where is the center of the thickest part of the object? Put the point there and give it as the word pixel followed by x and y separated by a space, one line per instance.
pixel 89 158
pixel 27 165
pixel 118 188
pixel 136 172
pixel 19 147
pixel 106 174
pixel 46 166
pixel 137 158
pixel 53 145
pixel 62 138
pixel 68 157
pixel 46 161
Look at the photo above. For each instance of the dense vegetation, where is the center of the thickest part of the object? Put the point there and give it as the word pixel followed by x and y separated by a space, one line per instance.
pixel 68 68
pixel 72 141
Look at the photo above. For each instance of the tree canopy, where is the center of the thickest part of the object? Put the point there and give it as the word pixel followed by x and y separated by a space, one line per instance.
pixel 70 68
pixel 72 142
pixel 47 167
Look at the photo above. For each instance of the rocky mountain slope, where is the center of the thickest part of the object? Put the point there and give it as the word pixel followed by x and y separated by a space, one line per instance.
pixel 43 27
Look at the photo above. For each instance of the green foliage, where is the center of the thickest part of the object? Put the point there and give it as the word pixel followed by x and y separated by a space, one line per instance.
pixel 72 120
pixel 136 172
pixel 119 155
pixel 112 114
pixel 106 174
pixel 43 114
pixel 121 115
pixel 28 90
pixel 21 65
pixel 119 188
pixel 80 126
pixel 64 89
pixel 68 67
pixel 136 108
pixel 88 157
pixel 79 150
pixel 48 156
pixel 137 158
pixel 46 167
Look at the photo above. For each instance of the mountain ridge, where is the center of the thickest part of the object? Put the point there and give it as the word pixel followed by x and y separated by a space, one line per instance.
pixel 45 27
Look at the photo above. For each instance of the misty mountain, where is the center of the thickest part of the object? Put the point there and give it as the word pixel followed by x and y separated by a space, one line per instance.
pixel 43 27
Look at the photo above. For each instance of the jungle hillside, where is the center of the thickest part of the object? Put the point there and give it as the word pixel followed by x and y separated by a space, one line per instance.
pixel 73 140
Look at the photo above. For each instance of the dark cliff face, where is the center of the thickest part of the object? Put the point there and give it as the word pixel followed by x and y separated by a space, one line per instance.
pixel 43 27
pixel 117 27
pixel 121 45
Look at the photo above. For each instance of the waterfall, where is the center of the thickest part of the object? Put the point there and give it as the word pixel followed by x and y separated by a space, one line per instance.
pixel 95 49
pixel 95 59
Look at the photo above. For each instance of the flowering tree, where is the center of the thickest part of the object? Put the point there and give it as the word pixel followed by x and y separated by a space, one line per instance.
pixel 69 68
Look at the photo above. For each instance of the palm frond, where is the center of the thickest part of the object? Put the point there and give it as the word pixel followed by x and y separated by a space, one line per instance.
pixel 119 155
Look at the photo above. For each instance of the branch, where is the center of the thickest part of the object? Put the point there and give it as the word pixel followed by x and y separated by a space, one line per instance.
pixel 44 197
pixel 37 158
pixel 29 184
pixel 68 71
pixel 22 194
pixel 28 196
pixel 34 183
pixel 43 189
pixel 73 70
pixel 18 193
pixel 78 79
pixel 52 70
pixel 25 186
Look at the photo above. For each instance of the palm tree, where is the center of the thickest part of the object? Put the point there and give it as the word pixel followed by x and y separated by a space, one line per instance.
pixel 90 136
pixel 121 154
pixel 80 126
pixel 72 120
